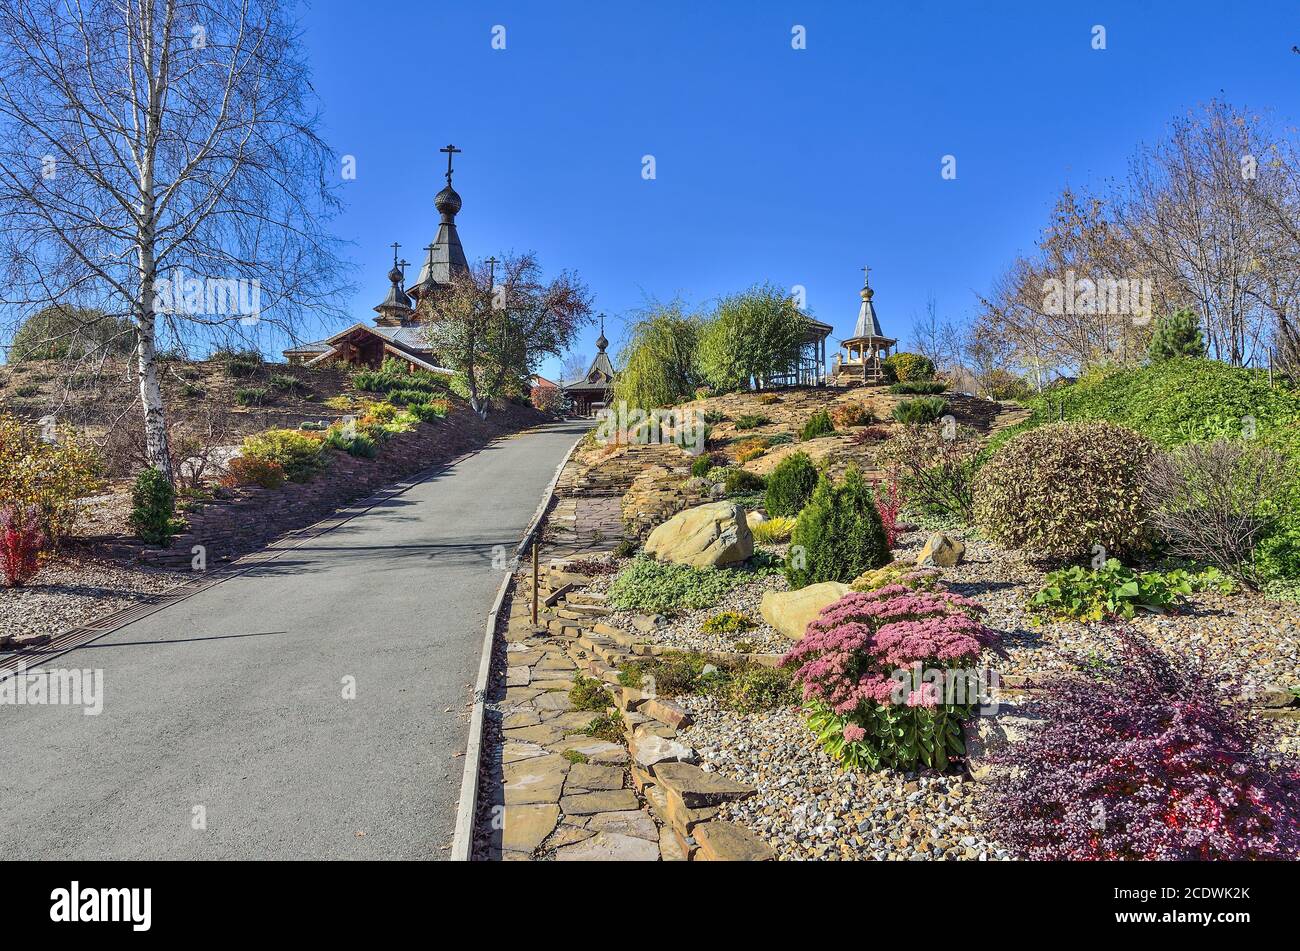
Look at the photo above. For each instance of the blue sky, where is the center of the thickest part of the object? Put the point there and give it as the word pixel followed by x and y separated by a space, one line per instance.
pixel 795 166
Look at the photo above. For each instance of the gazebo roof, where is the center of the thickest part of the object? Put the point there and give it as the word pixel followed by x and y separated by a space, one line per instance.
pixel 868 328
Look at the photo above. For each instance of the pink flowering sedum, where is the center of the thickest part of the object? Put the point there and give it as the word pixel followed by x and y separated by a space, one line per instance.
pixel 848 653
pixel 862 712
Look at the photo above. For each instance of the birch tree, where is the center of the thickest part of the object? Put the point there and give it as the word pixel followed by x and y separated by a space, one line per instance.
pixel 159 161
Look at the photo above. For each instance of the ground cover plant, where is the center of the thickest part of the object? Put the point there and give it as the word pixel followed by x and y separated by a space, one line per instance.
pixel 300 454
pixel 1174 773
pixel 659 587
pixel 774 531
pixel 856 665
pixel 919 387
pixel 740 686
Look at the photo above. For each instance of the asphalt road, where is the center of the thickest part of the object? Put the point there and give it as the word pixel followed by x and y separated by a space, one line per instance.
pixel 232 700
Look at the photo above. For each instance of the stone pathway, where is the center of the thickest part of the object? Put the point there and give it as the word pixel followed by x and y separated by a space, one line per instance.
pixel 551 791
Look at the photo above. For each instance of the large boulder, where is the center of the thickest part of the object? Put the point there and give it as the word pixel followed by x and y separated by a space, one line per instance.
pixel 790 611
pixel 704 536
pixel 941 551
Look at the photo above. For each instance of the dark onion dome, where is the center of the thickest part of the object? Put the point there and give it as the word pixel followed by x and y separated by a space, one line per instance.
pixel 447 202
pixel 601 342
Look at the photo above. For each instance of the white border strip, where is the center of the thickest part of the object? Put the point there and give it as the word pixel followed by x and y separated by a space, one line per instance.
pixel 463 839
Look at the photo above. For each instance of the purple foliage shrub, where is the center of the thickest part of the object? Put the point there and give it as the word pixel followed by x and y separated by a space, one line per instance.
pixel 1144 761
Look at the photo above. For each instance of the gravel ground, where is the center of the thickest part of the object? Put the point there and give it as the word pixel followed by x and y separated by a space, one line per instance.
pixel 808 808
pixel 73 591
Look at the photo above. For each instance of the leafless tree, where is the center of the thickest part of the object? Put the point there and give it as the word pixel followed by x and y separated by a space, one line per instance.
pixel 160 162
pixel 495 327
pixel 575 365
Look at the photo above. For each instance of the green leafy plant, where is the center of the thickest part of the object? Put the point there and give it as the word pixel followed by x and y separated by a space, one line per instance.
pixel 1116 591
pixel 923 409
pixel 741 686
pixel 588 693
pixel 818 424
pixel 701 465
pixel 839 534
pixel 751 421
pixel 606 726
pixel 251 395
pixel 153 509
pixel 241 363
pixel 741 482
pixel 903 367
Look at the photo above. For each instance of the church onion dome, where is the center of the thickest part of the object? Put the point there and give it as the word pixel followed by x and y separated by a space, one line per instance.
pixel 601 342
pixel 447 202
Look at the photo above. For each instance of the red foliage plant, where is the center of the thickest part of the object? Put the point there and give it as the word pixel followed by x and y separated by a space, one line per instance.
pixel 252 470
pixel 889 505
pixel 1144 761
pixel 21 543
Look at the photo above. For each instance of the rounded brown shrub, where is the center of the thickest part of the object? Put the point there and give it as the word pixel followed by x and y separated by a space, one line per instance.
pixel 1060 490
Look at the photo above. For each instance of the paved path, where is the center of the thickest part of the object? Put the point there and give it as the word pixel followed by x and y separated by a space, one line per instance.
pixel 232 700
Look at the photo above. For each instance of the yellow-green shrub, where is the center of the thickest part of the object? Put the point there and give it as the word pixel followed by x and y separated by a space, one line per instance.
pixel 50 474
pixel 1058 491
pixel 299 453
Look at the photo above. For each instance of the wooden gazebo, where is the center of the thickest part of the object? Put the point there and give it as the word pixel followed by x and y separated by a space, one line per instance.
pixel 863 356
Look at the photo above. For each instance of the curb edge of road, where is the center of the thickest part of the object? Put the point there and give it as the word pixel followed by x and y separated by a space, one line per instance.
pixel 463 837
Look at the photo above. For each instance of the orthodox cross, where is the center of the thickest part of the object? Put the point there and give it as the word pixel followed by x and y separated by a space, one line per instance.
pixel 451 150
pixel 492 273
pixel 866 273
pixel 395 247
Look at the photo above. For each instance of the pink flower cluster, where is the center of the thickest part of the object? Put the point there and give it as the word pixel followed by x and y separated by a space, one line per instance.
pixel 848 653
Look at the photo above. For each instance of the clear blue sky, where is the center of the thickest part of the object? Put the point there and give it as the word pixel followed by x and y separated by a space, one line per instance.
pixel 772 164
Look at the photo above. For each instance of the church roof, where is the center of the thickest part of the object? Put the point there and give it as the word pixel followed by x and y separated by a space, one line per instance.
pixel 600 375
pixel 446 256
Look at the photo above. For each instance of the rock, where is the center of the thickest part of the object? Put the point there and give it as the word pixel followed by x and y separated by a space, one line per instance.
pixel 665 711
pixel 534 780
pixel 646 623
pixel 648 751
pixel 791 611
pixel 941 551
pixel 585 804
pixel 584 777
pixel 670 850
pixel 754 518
pixel 610 847
pixel 596 751
pixel 729 842
pixel 633 822
pixel 708 669
pixel 526 827
pixel 518 677
pixel 704 536
pixel 696 788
